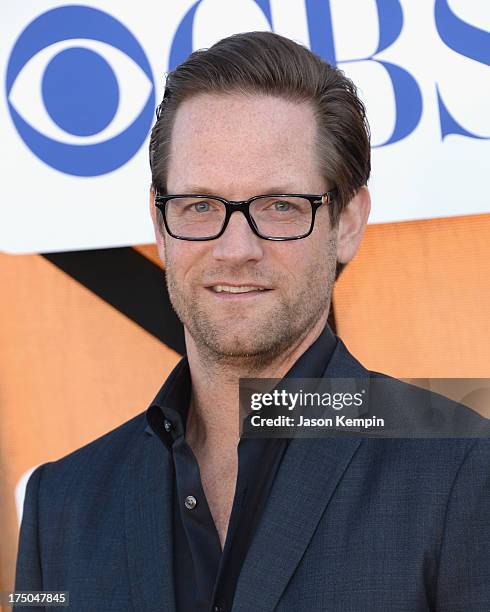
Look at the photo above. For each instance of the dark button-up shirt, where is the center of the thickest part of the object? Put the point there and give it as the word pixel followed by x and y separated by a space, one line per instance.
pixel 205 577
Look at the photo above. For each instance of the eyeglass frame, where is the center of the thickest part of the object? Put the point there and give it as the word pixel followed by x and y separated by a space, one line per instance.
pixel 243 206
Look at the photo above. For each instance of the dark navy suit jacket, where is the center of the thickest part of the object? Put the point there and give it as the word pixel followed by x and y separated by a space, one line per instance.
pixel 351 525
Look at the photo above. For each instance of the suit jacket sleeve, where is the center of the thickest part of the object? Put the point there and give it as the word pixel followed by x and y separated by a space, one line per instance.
pixel 464 565
pixel 28 573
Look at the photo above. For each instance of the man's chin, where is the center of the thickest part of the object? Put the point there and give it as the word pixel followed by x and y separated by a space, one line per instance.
pixel 234 346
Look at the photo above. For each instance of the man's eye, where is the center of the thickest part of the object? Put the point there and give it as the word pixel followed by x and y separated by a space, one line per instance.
pixel 281 206
pixel 200 207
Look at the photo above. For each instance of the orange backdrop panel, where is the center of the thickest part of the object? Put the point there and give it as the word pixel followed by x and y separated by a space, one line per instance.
pixel 71 368
pixel 415 302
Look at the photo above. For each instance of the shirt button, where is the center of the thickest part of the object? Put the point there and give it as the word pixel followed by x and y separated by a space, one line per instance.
pixel 167 425
pixel 190 502
pixel 217 608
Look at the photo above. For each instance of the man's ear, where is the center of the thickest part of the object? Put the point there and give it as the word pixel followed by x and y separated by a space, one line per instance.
pixel 352 223
pixel 156 227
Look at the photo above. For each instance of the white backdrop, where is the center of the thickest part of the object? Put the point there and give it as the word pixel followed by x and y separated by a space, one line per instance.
pixel 81 83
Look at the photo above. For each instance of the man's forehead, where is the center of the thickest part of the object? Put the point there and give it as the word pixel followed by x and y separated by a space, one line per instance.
pixel 265 137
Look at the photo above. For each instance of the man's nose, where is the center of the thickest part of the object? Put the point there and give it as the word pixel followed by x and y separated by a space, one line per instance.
pixel 238 243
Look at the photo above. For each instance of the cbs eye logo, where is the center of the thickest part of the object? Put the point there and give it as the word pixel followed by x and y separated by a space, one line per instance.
pixel 76 80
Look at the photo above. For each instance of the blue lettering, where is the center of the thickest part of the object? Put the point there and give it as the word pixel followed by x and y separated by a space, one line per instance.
pixel 408 97
pixel 467 40
pixel 460 36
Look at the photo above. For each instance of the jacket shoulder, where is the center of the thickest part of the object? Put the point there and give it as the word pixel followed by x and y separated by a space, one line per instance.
pixel 98 458
pixel 410 410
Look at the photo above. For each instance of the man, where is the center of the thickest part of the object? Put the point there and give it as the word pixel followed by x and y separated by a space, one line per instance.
pixel 172 511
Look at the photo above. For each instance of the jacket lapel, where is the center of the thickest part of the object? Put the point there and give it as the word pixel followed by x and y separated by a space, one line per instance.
pixel 304 485
pixel 148 517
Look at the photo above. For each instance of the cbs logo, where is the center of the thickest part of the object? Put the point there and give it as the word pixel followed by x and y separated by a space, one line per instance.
pixel 80 90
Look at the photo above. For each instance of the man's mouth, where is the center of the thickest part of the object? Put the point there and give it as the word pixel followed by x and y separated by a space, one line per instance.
pixel 236 289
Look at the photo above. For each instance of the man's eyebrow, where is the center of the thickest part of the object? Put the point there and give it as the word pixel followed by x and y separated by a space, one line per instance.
pixel 198 189
pixel 282 189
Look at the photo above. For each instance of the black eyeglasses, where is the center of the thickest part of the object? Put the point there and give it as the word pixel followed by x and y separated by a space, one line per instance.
pixel 289 216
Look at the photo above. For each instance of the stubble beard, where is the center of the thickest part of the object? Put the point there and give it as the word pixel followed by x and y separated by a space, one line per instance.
pixel 258 342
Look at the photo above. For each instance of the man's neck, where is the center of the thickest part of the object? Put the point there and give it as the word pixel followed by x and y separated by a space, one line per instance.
pixel 213 414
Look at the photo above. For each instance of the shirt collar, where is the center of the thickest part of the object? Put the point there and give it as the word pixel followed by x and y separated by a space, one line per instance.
pixel 167 414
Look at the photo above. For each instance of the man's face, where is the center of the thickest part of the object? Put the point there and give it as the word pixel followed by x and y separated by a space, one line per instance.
pixel 236 147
